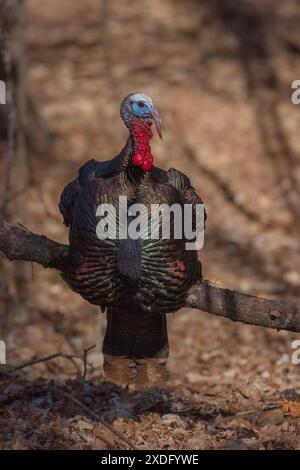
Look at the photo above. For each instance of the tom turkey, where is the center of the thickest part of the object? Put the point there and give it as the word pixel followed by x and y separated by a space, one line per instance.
pixel 137 281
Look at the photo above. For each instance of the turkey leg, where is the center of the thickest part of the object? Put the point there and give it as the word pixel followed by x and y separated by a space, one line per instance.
pixel 135 346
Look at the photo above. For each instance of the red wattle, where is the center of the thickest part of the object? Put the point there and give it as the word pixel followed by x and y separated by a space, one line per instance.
pixel 147 163
pixel 137 159
pixel 142 135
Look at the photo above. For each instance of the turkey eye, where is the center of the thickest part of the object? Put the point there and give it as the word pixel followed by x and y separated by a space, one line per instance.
pixel 141 104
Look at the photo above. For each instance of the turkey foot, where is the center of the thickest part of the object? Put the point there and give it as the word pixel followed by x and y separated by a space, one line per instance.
pixel 137 372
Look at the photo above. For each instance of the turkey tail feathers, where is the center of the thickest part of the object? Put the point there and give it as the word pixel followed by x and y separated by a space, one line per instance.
pixel 129 258
pixel 132 335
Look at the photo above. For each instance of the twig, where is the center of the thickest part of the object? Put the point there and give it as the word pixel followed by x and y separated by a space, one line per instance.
pixel 33 362
pixel 102 421
pixel 39 360
pixel 85 354
pixel 24 227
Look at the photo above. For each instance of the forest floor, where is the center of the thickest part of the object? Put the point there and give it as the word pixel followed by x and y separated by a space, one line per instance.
pixel 220 74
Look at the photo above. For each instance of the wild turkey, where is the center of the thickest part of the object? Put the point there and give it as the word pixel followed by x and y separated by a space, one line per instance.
pixel 137 281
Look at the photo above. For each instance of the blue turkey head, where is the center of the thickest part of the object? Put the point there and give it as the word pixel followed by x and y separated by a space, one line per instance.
pixel 140 106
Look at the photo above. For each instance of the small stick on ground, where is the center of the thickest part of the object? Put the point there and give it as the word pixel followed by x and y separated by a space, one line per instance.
pixel 102 421
pixel 33 362
pixel 85 355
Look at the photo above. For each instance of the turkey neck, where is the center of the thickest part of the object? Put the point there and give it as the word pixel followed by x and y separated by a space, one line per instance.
pixel 137 149
pixel 141 135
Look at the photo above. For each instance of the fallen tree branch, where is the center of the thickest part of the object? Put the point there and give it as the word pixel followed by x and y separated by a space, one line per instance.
pixel 236 306
pixel 19 244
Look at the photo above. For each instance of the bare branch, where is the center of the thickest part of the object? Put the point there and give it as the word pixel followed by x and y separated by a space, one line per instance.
pixel 244 308
pixel 19 244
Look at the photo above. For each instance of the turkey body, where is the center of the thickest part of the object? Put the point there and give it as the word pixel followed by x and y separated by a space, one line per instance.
pixel 164 269
pixel 138 281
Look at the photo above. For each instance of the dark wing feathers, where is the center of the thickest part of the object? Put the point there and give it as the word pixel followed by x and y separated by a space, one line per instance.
pixel 66 202
pixel 67 198
pixel 86 172
pixel 181 182
pixel 177 179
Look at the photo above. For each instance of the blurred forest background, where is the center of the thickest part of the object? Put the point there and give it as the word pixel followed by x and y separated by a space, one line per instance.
pixel 220 73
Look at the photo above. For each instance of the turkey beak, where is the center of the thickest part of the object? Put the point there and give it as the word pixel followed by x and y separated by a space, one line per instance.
pixel 157 120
